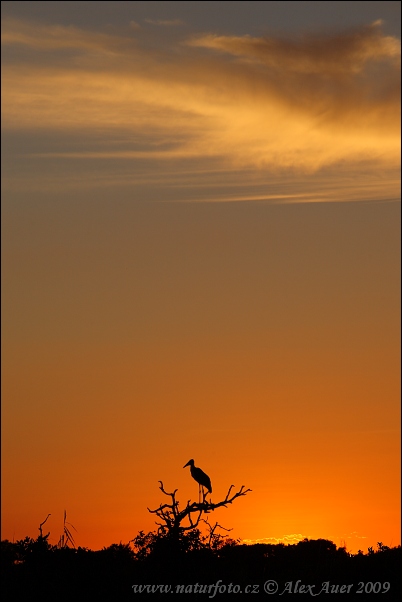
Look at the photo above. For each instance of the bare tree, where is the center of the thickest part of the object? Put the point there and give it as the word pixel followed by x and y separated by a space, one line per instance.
pixel 174 521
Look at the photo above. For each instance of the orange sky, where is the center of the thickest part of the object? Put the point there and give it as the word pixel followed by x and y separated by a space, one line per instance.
pixel 201 248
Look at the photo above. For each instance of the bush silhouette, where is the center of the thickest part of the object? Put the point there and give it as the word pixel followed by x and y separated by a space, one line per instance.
pixel 33 568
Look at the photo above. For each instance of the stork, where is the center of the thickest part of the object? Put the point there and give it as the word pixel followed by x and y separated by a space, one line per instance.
pixel 202 479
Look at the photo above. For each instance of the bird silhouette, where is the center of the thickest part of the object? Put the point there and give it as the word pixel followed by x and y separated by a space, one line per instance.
pixel 199 475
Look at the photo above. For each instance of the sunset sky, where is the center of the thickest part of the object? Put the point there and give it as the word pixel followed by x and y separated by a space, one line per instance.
pixel 201 259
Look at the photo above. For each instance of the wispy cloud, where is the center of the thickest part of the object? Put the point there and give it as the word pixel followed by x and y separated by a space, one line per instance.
pixel 340 53
pixel 56 37
pixel 165 22
pixel 350 535
pixel 308 104
pixel 293 538
pixel 286 539
pixel 134 25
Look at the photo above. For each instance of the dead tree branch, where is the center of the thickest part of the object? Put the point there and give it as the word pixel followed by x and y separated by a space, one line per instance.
pixel 172 517
pixel 215 539
pixel 41 525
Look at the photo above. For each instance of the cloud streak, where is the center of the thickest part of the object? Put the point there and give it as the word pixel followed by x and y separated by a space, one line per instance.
pixel 270 105
pixel 352 538
pixel 55 37
pixel 164 22
pixel 341 53
pixel 290 539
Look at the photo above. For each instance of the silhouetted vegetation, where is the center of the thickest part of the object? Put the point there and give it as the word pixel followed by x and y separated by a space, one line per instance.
pixel 179 554
pixel 33 568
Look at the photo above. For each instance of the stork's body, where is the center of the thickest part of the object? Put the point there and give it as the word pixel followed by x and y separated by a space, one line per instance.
pixel 199 475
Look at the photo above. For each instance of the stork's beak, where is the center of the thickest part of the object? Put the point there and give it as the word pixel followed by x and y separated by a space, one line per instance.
pixel 188 464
